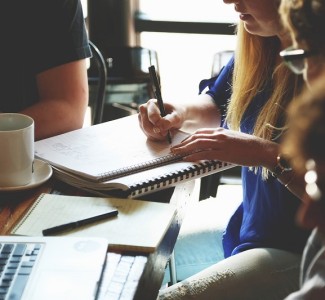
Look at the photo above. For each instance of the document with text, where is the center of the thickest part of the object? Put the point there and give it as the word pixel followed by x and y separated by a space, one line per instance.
pixel 117 156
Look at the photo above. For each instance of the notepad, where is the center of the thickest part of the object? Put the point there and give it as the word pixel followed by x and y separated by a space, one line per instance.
pixel 115 158
pixel 139 225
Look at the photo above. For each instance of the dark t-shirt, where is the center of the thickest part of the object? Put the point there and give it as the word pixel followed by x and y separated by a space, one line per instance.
pixel 36 35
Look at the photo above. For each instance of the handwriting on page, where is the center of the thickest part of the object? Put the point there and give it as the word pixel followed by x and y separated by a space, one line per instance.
pixel 115 145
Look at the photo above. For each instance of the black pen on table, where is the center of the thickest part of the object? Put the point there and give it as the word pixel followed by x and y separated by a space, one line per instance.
pixel 157 91
pixel 73 225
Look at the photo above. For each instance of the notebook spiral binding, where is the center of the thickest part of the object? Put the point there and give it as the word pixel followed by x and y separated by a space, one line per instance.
pixel 160 161
pixel 173 178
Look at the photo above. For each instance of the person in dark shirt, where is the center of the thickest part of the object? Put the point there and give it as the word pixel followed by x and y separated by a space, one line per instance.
pixel 43 63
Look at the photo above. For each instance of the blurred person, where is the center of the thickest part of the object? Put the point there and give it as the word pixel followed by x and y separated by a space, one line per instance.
pixel 304 142
pixel 305 146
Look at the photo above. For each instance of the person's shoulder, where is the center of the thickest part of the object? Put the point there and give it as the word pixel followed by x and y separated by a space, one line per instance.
pixel 57 5
pixel 72 4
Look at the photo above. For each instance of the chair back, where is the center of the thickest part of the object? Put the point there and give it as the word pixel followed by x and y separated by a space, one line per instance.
pixel 209 184
pixel 130 64
pixel 97 78
pixel 128 79
pixel 220 59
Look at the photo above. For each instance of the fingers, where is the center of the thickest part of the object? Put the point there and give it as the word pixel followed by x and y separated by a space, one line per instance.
pixel 153 112
pixel 153 125
pixel 202 138
pixel 224 145
pixel 156 130
pixel 204 144
pixel 149 120
pixel 152 132
pixel 207 154
pixel 195 145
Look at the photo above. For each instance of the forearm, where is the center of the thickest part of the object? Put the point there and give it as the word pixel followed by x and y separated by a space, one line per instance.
pixel 238 148
pixel 201 112
pixel 290 179
pixel 294 183
pixel 55 116
pixel 63 99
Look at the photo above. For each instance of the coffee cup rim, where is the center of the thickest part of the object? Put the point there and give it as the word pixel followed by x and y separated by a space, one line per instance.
pixel 29 123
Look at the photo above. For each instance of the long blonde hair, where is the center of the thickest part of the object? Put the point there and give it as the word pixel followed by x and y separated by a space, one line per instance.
pixel 256 63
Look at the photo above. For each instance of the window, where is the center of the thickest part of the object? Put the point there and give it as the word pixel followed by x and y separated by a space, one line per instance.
pixel 185 58
pixel 189 10
pixel 84 4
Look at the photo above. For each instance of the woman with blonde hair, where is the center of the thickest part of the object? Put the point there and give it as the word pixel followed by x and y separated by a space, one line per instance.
pixel 240 119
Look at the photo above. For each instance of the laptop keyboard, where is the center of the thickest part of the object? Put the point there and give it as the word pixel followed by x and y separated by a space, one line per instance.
pixel 119 282
pixel 121 276
pixel 16 264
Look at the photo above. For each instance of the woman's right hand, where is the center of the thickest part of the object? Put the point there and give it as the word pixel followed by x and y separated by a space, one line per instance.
pixel 199 111
pixel 156 127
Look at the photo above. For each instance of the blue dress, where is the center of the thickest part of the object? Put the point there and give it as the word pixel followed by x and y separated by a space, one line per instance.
pixel 266 216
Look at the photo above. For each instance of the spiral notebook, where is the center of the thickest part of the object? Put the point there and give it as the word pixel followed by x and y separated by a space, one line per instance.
pixel 116 158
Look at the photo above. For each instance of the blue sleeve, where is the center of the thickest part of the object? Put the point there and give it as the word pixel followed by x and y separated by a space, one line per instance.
pixel 219 87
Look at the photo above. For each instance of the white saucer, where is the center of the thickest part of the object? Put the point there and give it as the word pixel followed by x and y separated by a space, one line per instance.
pixel 42 173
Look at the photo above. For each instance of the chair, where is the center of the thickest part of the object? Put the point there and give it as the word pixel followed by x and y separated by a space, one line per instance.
pixel 97 78
pixel 199 244
pixel 128 79
pixel 220 59
pixel 209 184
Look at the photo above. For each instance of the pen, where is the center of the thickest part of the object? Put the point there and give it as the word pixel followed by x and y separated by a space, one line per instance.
pixel 77 224
pixel 157 91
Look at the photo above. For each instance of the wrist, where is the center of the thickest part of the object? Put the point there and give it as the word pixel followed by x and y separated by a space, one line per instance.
pixel 288 182
pixel 282 166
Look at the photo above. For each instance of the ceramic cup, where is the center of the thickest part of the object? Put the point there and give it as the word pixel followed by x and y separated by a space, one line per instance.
pixel 16 149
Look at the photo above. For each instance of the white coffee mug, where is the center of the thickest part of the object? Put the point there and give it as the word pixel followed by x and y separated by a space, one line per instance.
pixel 16 149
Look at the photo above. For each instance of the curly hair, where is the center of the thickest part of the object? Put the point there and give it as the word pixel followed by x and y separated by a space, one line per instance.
pixel 305 137
pixel 305 18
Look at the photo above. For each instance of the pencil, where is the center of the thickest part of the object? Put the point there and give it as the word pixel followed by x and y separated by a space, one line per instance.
pixel 157 91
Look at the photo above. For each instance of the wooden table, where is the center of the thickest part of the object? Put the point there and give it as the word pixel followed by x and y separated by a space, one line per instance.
pixel 13 206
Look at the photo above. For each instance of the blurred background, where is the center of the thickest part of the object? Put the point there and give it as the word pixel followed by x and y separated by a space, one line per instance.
pixel 184 36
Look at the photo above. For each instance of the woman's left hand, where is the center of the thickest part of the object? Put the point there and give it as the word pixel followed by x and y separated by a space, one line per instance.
pixel 229 146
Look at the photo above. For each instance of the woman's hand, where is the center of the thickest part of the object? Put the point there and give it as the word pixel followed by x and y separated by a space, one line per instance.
pixel 190 114
pixel 154 125
pixel 229 146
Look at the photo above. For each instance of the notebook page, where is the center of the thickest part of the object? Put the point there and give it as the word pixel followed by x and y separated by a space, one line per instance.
pixel 103 148
pixel 140 225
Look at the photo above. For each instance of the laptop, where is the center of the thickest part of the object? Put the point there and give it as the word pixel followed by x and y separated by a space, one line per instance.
pixel 66 268
pixel 51 267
